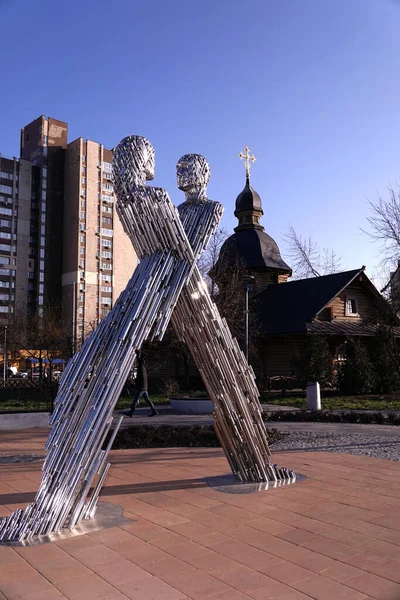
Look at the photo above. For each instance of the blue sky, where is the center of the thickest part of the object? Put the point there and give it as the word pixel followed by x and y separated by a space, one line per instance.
pixel 311 86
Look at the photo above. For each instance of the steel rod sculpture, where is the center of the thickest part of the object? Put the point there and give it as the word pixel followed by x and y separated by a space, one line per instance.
pixel 168 245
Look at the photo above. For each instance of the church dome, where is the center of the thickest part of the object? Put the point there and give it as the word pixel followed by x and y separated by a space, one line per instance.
pixel 249 245
pixel 255 248
pixel 248 200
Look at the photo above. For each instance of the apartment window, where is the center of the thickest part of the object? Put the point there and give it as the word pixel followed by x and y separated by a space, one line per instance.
pixel 5 236
pixel 108 232
pixel 43 197
pixel 107 176
pixel 41 265
pixel 31 275
pixel 82 227
pixel 82 287
pixel 82 215
pixel 83 193
pixel 106 288
pixel 351 306
pixel 107 186
pixel 41 252
pixel 3 309
pixel 105 301
pixel 105 254
pixel 42 241
pixel 14 262
pixel 82 250
pixel 40 300
pixel 4 223
pixel 6 175
pixel 80 310
pixel 83 170
pixel 83 204
pixel 106 243
pixel 41 288
pixel 81 298
pixel 5 297
pixel 45 140
pixel 43 206
pixel 44 172
pixel 82 264
pixel 83 180
pixel 6 189
pixel 83 158
pixel 41 276
pixel 107 166
pixel 107 221
pixel 6 272
pixel 43 218
pixel 106 266
pixel 82 238
pixel 6 211
pixel 106 278
pixel 107 209
pixel 4 284
pixel 5 247
pixel 42 230
pixel 4 260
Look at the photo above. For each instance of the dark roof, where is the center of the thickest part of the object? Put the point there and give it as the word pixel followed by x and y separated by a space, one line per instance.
pixel 256 248
pixel 286 307
pixel 248 199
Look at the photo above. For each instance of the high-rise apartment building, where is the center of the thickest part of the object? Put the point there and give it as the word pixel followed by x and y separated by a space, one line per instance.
pixel 61 241
pixel 18 185
pixel 98 258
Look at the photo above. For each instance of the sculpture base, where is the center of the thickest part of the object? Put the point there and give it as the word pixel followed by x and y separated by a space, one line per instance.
pixel 107 515
pixel 229 485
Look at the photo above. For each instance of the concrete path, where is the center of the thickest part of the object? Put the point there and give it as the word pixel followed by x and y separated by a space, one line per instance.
pixel 334 536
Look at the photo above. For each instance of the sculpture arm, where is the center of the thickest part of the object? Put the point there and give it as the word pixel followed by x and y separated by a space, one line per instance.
pixel 200 220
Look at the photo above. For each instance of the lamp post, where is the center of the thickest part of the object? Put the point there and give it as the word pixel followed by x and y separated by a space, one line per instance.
pixel 5 353
pixel 249 282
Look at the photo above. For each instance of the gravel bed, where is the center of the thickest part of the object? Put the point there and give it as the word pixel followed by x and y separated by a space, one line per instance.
pixel 356 443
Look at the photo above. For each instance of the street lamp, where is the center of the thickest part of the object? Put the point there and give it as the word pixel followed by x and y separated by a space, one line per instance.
pixel 5 353
pixel 249 280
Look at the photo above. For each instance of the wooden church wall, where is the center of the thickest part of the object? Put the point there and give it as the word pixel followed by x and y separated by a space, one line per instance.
pixel 337 308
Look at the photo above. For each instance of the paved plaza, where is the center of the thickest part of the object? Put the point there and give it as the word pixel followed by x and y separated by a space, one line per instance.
pixel 335 535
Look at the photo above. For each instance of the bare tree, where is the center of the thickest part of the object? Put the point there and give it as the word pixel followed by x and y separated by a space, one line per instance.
pixel 307 259
pixel 43 340
pixel 384 229
pixel 384 224
pixel 209 258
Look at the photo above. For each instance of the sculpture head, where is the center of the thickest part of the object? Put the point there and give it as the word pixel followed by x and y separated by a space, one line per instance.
pixel 133 163
pixel 193 175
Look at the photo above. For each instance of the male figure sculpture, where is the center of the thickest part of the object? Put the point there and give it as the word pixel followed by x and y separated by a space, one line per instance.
pixel 167 276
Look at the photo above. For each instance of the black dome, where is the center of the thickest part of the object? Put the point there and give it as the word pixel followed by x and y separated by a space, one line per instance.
pixel 255 247
pixel 248 199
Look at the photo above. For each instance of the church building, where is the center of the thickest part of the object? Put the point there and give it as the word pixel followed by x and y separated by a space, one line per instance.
pixel 337 306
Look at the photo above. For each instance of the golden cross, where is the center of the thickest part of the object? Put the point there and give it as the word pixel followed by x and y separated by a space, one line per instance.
pixel 247 158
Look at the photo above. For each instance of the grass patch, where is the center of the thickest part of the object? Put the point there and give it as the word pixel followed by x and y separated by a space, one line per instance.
pixel 167 436
pixel 366 418
pixel 377 403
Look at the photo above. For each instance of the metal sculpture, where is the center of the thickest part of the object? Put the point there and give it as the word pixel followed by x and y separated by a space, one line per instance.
pixel 168 244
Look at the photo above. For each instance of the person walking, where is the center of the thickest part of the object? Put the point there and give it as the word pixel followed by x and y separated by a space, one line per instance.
pixel 142 386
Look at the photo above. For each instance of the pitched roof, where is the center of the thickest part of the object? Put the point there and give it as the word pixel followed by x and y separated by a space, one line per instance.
pixel 287 307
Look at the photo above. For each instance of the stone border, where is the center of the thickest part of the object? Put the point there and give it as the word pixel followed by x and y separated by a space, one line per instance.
pixel 28 420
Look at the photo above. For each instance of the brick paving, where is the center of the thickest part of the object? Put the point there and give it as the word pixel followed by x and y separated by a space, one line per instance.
pixel 334 536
